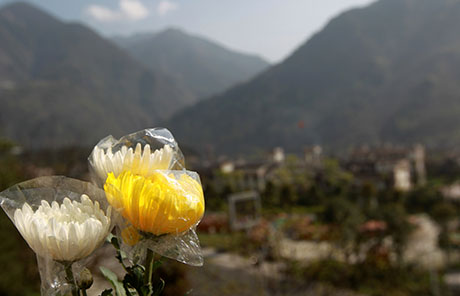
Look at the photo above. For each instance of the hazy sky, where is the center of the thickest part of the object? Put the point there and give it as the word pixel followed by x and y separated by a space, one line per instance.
pixel 270 28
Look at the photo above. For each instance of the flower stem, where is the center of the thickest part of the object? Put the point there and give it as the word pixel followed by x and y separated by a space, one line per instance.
pixel 148 268
pixel 70 278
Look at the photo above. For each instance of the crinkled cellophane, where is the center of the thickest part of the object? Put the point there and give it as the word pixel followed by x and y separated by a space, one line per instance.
pixel 160 201
pixel 63 220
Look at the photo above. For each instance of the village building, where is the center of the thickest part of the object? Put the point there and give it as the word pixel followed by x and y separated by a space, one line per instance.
pixel 388 166
pixel 451 192
pixel 313 156
pixel 254 175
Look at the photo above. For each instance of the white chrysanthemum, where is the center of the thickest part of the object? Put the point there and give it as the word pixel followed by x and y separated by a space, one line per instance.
pixel 66 232
pixel 140 161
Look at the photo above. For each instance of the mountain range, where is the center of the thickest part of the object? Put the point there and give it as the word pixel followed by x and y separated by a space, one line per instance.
pixel 204 67
pixel 388 72
pixel 63 84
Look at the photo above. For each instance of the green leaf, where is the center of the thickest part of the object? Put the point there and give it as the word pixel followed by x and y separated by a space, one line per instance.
pixel 107 292
pixel 129 289
pixel 159 288
pixel 134 278
pixel 157 263
pixel 121 255
pixel 109 239
pixel 146 290
pixel 113 279
pixel 114 242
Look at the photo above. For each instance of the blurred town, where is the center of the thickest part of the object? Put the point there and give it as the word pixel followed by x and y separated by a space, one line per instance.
pixel 287 224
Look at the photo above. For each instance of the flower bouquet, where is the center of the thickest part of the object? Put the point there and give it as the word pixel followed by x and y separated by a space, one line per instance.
pixel 141 187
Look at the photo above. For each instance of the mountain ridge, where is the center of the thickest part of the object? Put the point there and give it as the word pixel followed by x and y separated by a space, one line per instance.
pixel 383 73
pixel 81 86
pixel 204 66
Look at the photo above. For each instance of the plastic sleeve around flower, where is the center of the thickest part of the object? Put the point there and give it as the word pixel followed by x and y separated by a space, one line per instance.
pixel 160 213
pixel 184 247
pixel 63 220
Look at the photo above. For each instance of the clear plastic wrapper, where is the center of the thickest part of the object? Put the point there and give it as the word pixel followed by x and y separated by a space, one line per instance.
pixel 64 221
pixel 160 201
pixel 141 153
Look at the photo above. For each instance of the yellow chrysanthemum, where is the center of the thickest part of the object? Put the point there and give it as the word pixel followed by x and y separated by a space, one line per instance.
pixel 159 203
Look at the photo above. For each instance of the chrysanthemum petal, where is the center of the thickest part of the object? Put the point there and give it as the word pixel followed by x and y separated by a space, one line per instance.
pixel 67 232
pixel 141 160
pixel 157 204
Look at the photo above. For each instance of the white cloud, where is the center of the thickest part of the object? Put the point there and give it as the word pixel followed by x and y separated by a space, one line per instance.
pixel 102 14
pixel 166 6
pixel 133 9
pixel 128 10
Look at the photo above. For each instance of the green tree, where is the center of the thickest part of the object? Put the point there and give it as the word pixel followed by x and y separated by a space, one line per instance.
pixel 398 226
pixel 346 217
pixel 10 168
pixel 214 201
pixel 270 196
pixel 443 212
pixel 288 195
